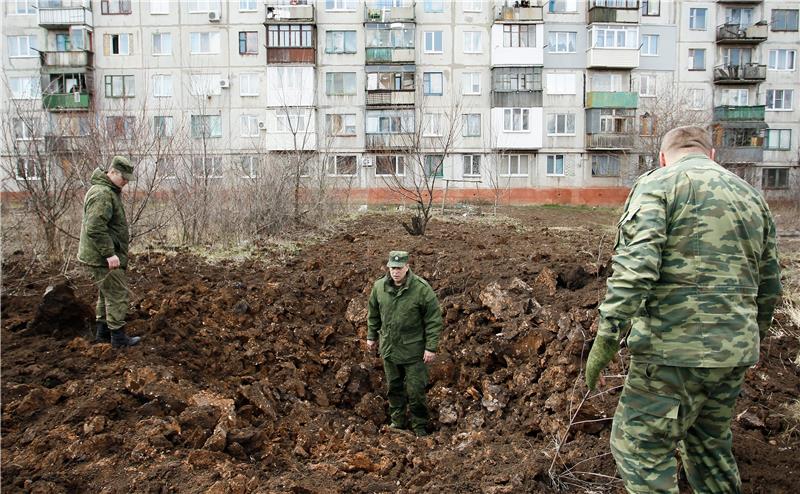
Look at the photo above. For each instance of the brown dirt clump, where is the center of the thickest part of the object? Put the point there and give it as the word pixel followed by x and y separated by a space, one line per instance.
pixel 251 376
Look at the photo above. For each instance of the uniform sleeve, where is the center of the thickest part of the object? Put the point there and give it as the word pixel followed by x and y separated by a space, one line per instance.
pixel 98 212
pixel 769 287
pixel 637 259
pixel 432 320
pixel 373 316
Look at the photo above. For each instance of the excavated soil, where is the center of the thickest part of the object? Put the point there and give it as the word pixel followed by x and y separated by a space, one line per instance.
pixel 252 375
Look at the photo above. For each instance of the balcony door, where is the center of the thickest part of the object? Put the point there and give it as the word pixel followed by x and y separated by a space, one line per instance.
pixel 737 56
pixel 742 17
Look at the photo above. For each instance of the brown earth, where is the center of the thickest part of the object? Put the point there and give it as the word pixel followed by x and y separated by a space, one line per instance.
pixel 252 375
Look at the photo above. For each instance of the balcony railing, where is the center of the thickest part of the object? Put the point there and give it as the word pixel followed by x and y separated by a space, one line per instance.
pixel 737 74
pixel 66 101
pixel 390 55
pixel 277 12
pixel 614 11
pixel 520 14
pixel 66 59
pixel 746 154
pixel 736 33
pixel 66 16
pixel 291 55
pixel 376 13
pixel 609 99
pixel 516 99
pixel 609 141
pixel 381 98
pixel 388 141
pixel 728 113
pixel 616 58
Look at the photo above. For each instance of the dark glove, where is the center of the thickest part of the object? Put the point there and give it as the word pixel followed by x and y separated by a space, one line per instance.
pixel 603 350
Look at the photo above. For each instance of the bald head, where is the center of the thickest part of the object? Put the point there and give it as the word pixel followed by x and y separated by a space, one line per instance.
pixel 681 141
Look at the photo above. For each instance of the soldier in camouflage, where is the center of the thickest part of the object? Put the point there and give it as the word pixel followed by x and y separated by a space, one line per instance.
pixel 404 316
pixel 696 279
pixel 103 249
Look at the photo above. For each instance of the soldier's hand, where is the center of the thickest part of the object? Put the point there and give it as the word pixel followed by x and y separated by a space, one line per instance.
pixel 428 357
pixel 372 346
pixel 603 350
pixel 113 262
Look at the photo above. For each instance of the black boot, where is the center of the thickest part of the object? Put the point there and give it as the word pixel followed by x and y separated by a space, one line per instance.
pixel 119 339
pixel 101 333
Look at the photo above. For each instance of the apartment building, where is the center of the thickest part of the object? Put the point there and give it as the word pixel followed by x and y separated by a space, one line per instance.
pixel 553 101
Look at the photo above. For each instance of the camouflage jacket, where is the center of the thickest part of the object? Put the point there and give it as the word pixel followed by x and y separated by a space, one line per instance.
pixel 104 230
pixel 695 269
pixel 407 318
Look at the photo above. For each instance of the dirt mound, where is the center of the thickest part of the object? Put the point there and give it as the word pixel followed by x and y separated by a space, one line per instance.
pixel 251 377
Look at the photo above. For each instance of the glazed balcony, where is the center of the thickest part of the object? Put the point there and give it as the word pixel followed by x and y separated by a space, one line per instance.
pixel 391 98
pixel 376 142
pixel 609 141
pixel 390 55
pixel 521 13
pixel 729 113
pixel 374 12
pixel 64 17
pixel 736 33
pixel 612 58
pixel 612 99
pixel 606 11
pixel 748 73
pixel 298 11
pixel 66 101
pixel 73 61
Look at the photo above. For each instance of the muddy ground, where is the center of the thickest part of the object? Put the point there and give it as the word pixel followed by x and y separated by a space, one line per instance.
pixel 252 375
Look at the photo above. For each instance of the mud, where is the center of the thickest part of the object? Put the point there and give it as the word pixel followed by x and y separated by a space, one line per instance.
pixel 252 375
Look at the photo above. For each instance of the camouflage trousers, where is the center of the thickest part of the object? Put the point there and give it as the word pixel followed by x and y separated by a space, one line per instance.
pixel 663 408
pixel 112 301
pixel 406 387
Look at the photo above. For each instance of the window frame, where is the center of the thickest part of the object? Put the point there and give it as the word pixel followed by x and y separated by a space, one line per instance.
pixel 771 98
pixel 554 160
pixel 160 84
pixel 790 29
pixel 652 87
pixel 647 12
pixel 248 126
pixel 28 7
pixel 162 3
pixel 330 83
pixel 649 53
pixel 505 165
pixel 290 36
pixel 128 81
pixel 341 5
pixel 692 59
pixel 471 84
pixel 105 7
pixel 32 44
pixel 772 182
pixel 786 52
pixel 248 46
pixel 250 77
pixel 333 167
pixel 433 36
pixel 254 7
pixel 398 163
pixel 524 120
pixel 512 36
pixel 600 167
pixel 568 119
pixel 438 171
pixel 205 120
pixel 343 117
pixel 161 37
pixel 29 87
pixel 473 35
pixel 468 169
pixel 214 41
pixel 693 11
pixel 344 35
pixel 214 171
pixel 428 83
pixel 781 133
pixel 165 127
pixel 128 124
pixel 39 170
pixel 553 41
pixel 468 121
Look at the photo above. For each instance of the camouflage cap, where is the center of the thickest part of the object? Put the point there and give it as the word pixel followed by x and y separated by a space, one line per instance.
pixel 124 166
pixel 397 259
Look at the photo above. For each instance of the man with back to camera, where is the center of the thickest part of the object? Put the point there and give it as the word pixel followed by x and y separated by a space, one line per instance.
pixel 696 272
pixel 404 314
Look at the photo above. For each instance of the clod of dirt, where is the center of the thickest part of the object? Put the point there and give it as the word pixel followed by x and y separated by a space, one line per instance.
pixel 573 278
pixel 547 279
pixel 750 420
pixel 512 302
pixel 61 314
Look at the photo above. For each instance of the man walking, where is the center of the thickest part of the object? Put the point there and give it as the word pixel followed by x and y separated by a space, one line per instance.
pixel 103 248
pixel 696 272
pixel 404 316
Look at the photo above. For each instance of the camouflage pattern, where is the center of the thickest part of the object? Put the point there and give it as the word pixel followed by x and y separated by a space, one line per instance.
pixel 666 407
pixel 405 385
pixel 112 301
pixel 695 270
pixel 104 229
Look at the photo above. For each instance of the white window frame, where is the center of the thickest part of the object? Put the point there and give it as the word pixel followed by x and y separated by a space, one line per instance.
pixel 124 44
pixel 25 88
pixel 735 96
pixel 471 120
pixel 249 84
pixel 785 63
pixel 162 38
pixel 248 126
pixel 206 122
pixel 472 165
pixel 347 121
pixel 473 6
pixel 332 167
pixel 647 86
pixel 691 59
pixel 560 124
pixel 554 159
pixel 340 5
pixel 432 124
pixel 558 39
pixel 695 102
pixel 332 38
pixel 609 159
pixel 251 164
pixel 506 162
pixel 431 81
pixel 126 83
pixel 647 45
pixel 330 83
pixel 248 5
pixel 473 42
pixel 399 162
pixel 291 121
pixel 22 7
pixel 433 6
pixel 523 118
pixel 783 139
pixel 777 171
pixel 205 84
pixel 203 6
pixel 159 7
pixel 556 87
pixel 772 98
pixel 23 129
pixel 168 127
pixel 693 19
pixel 162 86
pixel 16 42
pixel 468 83
pixel 604 31
pixel 212 41
pixel 212 166
pixel 28 164
pixel 430 36
pixel 563 6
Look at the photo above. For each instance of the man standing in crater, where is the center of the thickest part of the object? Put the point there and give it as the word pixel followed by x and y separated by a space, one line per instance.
pixel 404 322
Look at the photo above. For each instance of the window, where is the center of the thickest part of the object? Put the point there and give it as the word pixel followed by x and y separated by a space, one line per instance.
pixel 204 43
pixel 517 79
pixel 390 121
pixel 120 86
pixel 615 36
pixel 697 19
pixel 743 138
pixel 206 126
pixel 203 6
pixel 779 99
pixel 778 139
pixel 471 83
pixel 247 5
pixel 561 84
pixel 341 124
pixel 606 82
pixel 432 124
pixel 162 86
pixel 434 165
pixel 434 5
pixel 248 84
pixel 24 87
pixel 784 20
pixel 22 7
pixel 207 166
pixel 162 43
pixel 561 41
pixel 205 84
pixel 782 59
pixel 649 45
pixel 390 165
pixel 433 42
pixel 775 178
pixel 516 120
pixel 397 37
pixel 340 42
pixel 519 35
pixel 614 121
pixel 250 166
pixel 472 6
pixel 472 42
pixel 647 86
pixel 22 46
pixel 737 56
pixel 560 6
pixel 342 165
pixel 605 165
pixel 735 97
pixel 432 83
pixel 249 125
pixel 159 7
pixel 248 43
pixel 115 6
pixel 471 125
pixel 514 165
pixel 647 125
pixel 561 124
pixel 344 5
pixel 472 165
pixel 163 126
pixel 651 7
pixel 697 99
pixel 697 59
pixel 24 129
pixel 340 83
pixel 29 169
pixel 291 121
pixel 290 36
pixel 120 127
pixel 117 44
pixel 555 165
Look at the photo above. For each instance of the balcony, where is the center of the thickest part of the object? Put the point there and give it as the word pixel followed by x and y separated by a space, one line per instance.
pixel 736 33
pixel 743 2
pixel 72 61
pixel 748 154
pixel 516 99
pixel 612 58
pixel 605 11
pixel 390 98
pixel 289 13
pixel 740 74
pixel 388 141
pixel 390 55
pixel 376 13
pixel 61 17
pixel 508 13
pixel 739 113
pixel 609 141
pixel 291 55
pixel 612 99
pixel 66 101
